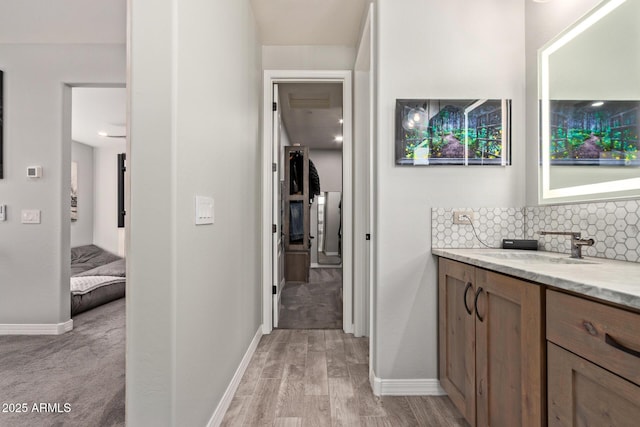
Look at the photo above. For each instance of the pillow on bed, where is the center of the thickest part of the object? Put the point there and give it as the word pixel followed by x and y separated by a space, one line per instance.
pixel 87 257
pixel 84 253
pixel 115 268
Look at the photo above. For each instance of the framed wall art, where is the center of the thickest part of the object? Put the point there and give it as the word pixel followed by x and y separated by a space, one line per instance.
pixel 453 132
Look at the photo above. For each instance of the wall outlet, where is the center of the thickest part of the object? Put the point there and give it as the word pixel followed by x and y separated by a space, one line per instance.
pixel 463 217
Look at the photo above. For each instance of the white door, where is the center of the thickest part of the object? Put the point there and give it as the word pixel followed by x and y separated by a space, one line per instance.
pixel 276 237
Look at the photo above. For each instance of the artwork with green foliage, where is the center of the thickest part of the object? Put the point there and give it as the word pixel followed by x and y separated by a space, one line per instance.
pixel 594 133
pixel 453 132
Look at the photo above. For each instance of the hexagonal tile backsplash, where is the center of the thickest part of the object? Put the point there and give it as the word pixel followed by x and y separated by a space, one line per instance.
pixel 615 227
pixel 491 225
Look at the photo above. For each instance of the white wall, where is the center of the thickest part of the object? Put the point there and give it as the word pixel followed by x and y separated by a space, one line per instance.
pixel 106 233
pixel 194 292
pixel 308 57
pixel 82 229
pixel 465 50
pixel 543 22
pixel 34 259
pixel 329 166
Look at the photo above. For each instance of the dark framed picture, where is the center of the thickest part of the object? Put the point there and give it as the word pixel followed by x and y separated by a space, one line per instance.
pixel 453 132
pixel 596 132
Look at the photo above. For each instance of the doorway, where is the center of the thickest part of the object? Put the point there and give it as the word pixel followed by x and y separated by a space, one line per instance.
pixel 309 137
pixel 274 162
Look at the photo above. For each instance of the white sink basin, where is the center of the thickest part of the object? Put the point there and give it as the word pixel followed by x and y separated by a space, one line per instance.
pixel 536 258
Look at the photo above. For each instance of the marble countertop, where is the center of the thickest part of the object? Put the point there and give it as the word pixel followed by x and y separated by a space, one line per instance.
pixel 614 281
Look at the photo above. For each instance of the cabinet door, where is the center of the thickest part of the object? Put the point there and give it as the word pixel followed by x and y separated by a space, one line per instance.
pixel 457 335
pixel 509 351
pixel 583 394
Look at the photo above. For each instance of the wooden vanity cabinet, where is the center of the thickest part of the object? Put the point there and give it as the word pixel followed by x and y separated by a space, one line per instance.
pixel 491 345
pixel 593 359
pixel 457 335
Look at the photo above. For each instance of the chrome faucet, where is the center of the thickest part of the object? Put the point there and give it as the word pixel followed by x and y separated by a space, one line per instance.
pixel 576 242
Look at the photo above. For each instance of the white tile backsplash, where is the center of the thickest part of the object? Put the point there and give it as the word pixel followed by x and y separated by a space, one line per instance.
pixel 491 224
pixel 613 225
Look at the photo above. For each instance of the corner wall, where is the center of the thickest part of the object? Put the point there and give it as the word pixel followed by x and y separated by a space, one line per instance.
pixel 433 49
pixel 34 260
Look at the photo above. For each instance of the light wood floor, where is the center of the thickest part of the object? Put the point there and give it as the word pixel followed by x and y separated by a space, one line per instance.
pixel 321 378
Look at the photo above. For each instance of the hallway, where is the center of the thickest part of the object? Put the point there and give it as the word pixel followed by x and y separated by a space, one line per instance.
pixel 321 378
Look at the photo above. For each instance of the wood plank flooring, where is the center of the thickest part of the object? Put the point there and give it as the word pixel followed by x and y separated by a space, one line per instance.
pixel 320 378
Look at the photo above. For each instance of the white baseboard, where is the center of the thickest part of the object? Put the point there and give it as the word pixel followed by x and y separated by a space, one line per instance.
pixel 316 265
pixel 36 329
pixel 218 414
pixel 407 387
pixel 348 329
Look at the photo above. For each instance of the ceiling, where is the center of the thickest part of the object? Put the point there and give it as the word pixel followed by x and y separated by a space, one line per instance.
pixel 309 22
pixel 311 113
pixel 96 110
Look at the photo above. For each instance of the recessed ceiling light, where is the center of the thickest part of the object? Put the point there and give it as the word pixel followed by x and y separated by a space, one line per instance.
pixel 102 133
pixel 597 104
pixel 339 138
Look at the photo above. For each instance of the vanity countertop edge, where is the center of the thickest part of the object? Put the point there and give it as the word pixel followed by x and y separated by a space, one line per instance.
pixel 608 280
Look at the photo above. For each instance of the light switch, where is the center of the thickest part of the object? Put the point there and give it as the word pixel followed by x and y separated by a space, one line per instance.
pixel 204 210
pixel 31 216
pixel 3 212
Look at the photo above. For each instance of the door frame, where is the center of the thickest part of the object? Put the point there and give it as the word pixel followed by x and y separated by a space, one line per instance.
pixel 308 76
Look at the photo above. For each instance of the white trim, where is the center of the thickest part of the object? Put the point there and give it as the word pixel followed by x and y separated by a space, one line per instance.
pixel 316 265
pixel 277 299
pixel 223 405
pixel 36 328
pixel 347 203
pixel 555 195
pixel 277 76
pixel 362 184
pixel 407 387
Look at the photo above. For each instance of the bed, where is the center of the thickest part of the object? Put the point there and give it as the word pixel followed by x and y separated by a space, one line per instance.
pixel 97 277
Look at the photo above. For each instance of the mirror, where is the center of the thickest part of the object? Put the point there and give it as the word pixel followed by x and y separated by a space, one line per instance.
pixel 589 82
pixel 329 232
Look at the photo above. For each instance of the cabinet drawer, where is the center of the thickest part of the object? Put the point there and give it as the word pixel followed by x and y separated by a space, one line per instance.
pixel 581 393
pixel 608 336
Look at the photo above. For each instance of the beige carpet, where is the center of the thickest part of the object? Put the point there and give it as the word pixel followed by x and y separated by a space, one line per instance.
pixel 83 368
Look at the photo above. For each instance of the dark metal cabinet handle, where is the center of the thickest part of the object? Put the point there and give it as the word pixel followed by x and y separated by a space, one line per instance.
pixel 466 307
pixel 475 304
pixel 615 344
